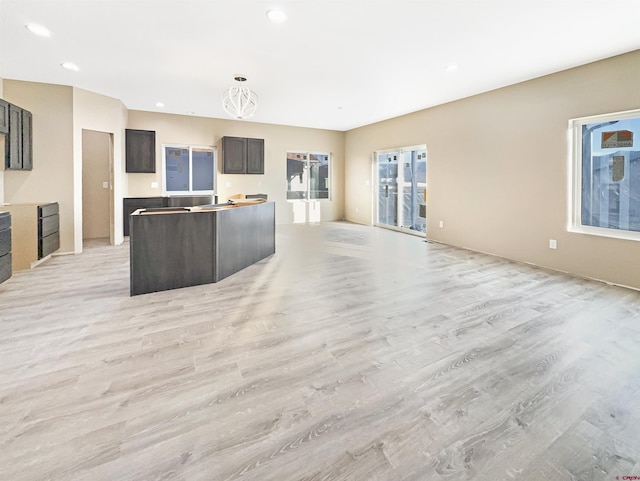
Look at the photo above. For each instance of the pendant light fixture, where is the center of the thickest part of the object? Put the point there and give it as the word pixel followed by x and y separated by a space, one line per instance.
pixel 238 101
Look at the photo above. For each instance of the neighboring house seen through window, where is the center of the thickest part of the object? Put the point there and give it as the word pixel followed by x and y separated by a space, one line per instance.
pixel 308 175
pixel 606 175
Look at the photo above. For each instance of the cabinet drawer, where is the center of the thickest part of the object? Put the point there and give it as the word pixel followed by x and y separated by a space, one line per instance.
pixel 48 225
pixel 5 241
pixel 5 220
pixel 5 267
pixel 48 245
pixel 46 210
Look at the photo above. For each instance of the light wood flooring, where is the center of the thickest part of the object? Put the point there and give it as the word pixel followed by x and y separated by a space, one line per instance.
pixel 354 353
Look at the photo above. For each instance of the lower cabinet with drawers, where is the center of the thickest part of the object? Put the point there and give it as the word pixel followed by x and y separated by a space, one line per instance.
pixel 48 229
pixel 35 232
pixel 5 246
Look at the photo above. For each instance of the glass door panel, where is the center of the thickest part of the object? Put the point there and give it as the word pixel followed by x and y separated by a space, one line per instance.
pixel 401 188
pixel 387 171
pixel 319 176
pixel 297 176
pixel 414 169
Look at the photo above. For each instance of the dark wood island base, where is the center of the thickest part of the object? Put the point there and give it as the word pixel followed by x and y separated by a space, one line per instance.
pixel 186 247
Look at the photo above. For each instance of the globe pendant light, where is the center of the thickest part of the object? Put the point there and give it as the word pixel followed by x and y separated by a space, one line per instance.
pixel 238 101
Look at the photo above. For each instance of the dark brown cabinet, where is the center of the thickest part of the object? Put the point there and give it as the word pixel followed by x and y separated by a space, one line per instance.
pixel 5 246
pixel 241 155
pixel 27 153
pixel 48 229
pixel 14 139
pixel 131 204
pixel 170 250
pixel 18 143
pixel 4 117
pixel 140 154
pixel 35 232
pixel 255 156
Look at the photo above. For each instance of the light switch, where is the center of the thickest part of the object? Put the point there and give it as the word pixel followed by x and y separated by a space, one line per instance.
pixel 154 185
pixel 105 185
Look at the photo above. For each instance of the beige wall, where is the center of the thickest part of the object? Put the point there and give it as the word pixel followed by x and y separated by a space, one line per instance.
pixel 52 177
pixel 497 168
pixel 97 112
pixel 59 115
pixel 178 129
pixel 497 163
pixel 96 199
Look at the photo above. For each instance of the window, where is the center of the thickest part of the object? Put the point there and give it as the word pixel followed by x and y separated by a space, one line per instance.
pixel 606 175
pixel 307 175
pixel 189 169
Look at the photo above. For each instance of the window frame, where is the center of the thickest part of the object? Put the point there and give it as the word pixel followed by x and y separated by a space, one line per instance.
pixel 308 154
pixel 190 148
pixel 574 201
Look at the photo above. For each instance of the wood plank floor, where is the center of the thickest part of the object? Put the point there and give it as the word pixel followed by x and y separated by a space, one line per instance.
pixel 354 353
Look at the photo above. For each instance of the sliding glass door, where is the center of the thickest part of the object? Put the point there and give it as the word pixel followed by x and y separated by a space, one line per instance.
pixel 401 184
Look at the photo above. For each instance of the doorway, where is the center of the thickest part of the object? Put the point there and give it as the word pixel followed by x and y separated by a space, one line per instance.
pixel 401 189
pixel 97 186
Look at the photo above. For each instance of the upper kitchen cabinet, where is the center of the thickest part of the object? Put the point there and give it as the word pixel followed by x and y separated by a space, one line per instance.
pixel 255 156
pixel 140 151
pixel 27 142
pixel 241 155
pixel 4 117
pixel 18 144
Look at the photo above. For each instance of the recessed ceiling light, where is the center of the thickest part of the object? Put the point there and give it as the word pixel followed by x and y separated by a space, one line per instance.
pixel 70 66
pixel 159 104
pixel 451 67
pixel 276 16
pixel 38 29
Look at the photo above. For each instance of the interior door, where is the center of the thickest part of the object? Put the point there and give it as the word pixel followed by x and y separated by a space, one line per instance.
pixel 96 185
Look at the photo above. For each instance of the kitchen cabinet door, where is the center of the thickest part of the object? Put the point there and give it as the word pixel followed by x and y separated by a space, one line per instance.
pixel 140 151
pixel 255 156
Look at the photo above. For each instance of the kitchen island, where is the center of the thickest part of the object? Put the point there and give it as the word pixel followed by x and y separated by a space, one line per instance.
pixel 181 247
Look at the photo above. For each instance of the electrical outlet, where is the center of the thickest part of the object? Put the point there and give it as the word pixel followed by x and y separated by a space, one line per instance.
pixel 154 185
pixel 105 185
pixel 553 244
pixel 442 224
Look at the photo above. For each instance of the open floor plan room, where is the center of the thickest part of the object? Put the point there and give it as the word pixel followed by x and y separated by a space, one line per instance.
pixel 353 353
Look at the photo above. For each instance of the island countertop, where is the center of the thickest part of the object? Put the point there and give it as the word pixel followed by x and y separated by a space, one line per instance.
pixel 186 246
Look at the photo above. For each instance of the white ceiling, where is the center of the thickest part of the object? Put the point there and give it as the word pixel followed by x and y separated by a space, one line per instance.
pixel 335 64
